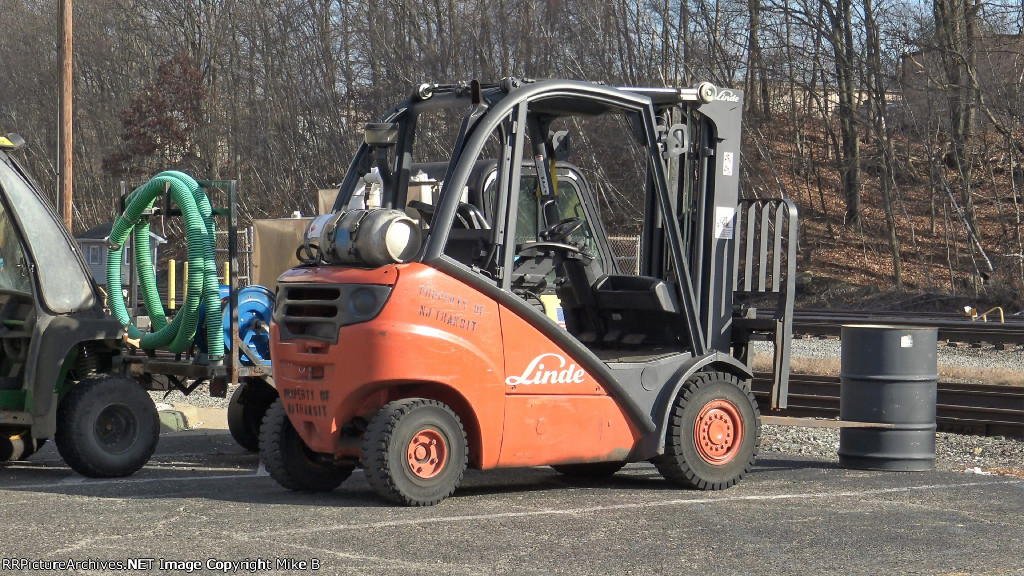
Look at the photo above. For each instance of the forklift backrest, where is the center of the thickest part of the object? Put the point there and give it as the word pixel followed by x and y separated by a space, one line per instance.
pixel 764 253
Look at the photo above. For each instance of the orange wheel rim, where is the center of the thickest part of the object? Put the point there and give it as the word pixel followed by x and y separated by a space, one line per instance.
pixel 718 432
pixel 427 454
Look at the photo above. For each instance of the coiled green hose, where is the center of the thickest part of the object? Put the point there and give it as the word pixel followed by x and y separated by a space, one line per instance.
pixel 203 284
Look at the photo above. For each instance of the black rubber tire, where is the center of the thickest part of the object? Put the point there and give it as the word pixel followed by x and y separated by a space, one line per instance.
pixel 291 463
pixel 246 409
pixel 387 439
pixel 589 471
pixel 682 464
pixel 107 427
pixel 17 445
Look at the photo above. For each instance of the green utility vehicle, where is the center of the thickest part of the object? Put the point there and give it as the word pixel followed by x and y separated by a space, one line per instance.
pixel 57 344
pixel 67 370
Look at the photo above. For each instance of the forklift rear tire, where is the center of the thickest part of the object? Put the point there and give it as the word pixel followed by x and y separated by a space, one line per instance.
pixel 246 409
pixel 290 462
pixel 107 427
pixel 713 434
pixel 590 470
pixel 415 452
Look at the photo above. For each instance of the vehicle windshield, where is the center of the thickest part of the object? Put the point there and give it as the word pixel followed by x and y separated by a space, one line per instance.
pixel 63 280
pixel 13 264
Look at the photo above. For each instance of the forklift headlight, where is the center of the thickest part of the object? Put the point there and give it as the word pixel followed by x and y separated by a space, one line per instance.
pixel 363 302
pixel 381 134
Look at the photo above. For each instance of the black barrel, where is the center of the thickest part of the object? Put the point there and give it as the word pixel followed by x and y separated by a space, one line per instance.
pixel 889 375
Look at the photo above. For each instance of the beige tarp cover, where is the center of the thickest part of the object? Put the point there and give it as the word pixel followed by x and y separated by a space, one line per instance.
pixel 273 248
pixel 326 198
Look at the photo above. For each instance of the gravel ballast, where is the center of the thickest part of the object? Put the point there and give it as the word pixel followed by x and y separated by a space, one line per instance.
pixel 963 357
pixel 200 397
pixel 952 451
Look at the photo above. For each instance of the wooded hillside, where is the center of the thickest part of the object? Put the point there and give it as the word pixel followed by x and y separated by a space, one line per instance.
pixel 896 125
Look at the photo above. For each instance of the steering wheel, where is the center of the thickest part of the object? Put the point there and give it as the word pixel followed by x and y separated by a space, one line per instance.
pixel 559 232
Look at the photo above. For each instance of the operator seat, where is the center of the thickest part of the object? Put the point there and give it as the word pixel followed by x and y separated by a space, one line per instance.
pixel 639 311
pixel 574 287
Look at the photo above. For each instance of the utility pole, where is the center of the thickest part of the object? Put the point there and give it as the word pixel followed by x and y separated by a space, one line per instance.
pixel 65 117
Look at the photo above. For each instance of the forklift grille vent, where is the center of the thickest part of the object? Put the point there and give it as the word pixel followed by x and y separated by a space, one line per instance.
pixel 309 312
pixel 317 312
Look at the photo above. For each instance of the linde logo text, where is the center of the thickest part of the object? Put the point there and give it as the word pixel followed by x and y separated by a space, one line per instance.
pixel 727 96
pixel 548 368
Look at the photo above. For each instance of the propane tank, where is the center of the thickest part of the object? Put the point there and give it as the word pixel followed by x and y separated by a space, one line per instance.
pixel 314 231
pixel 365 237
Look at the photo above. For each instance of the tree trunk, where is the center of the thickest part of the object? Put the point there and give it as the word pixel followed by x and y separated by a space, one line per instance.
pixel 840 36
pixel 956 30
pixel 876 81
pixel 756 106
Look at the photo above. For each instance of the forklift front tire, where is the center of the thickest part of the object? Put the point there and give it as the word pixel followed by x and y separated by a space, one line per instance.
pixel 713 434
pixel 107 427
pixel 290 462
pixel 415 452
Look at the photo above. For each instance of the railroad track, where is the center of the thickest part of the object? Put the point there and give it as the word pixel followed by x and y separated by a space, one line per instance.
pixel 980 409
pixel 951 327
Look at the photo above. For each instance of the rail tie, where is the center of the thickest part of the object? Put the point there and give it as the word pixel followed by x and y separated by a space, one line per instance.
pixel 963 408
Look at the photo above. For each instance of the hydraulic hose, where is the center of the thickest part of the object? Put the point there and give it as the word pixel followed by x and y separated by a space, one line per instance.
pixel 203 284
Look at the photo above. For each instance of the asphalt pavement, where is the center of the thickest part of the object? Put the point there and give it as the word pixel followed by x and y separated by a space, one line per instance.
pixel 204 506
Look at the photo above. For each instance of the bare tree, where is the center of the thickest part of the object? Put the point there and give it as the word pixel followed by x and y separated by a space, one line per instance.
pixel 956 30
pixel 879 112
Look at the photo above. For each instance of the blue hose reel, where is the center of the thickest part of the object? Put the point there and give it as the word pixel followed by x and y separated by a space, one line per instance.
pixel 255 308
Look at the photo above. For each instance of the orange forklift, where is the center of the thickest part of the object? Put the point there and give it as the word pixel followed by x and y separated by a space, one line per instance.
pixel 472 313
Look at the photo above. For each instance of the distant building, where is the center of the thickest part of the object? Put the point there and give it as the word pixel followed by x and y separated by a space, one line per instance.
pixel 1000 66
pixel 94 247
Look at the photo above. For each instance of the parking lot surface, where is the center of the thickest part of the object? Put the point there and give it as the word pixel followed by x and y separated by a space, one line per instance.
pixel 204 505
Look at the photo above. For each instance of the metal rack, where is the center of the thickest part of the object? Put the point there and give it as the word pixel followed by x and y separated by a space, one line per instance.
pixel 180 369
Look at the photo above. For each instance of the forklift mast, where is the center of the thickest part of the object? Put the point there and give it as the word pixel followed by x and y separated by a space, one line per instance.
pixel 702 170
pixel 740 253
